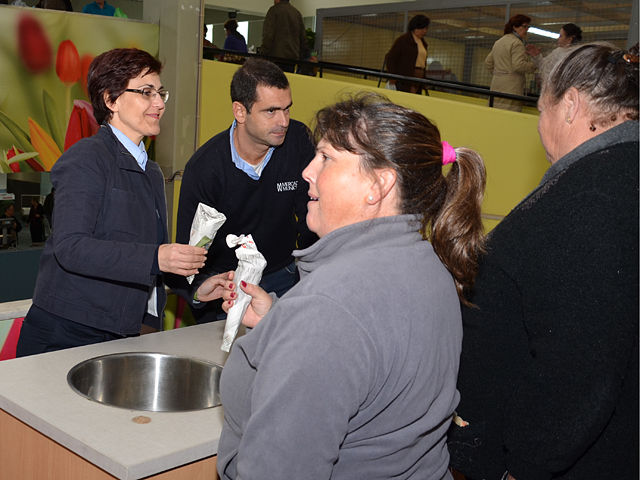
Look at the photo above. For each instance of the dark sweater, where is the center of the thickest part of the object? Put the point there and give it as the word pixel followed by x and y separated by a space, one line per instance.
pixel 549 368
pixel 273 209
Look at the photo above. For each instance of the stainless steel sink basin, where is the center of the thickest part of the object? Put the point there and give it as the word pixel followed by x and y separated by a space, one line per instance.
pixel 152 382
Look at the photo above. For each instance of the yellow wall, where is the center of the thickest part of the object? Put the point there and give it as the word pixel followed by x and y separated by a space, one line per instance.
pixel 508 141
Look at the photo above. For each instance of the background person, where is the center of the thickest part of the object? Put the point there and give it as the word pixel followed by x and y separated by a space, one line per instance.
pixel 49 201
pixel 205 42
pixel 35 220
pixel 100 274
pixel 284 34
pixel 333 382
pixel 549 370
pixel 408 55
pixel 234 39
pixel 9 212
pixel 99 7
pixel 570 34
pixel 509 60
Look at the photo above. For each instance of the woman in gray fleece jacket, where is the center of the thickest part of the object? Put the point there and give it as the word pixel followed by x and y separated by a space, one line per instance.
pixel 352 373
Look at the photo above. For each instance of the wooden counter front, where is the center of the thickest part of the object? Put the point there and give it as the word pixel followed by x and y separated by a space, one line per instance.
pixel 26 454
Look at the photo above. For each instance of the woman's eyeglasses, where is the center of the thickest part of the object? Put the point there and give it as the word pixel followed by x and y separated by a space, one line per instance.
pixel 150 93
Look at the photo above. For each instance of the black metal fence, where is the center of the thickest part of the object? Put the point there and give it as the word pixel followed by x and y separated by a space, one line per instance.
pixel 319 68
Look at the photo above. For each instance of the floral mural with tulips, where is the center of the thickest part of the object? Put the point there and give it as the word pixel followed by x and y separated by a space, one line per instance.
pixel 44 61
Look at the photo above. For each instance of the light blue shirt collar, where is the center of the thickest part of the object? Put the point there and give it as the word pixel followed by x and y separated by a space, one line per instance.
pixel 519 37
pixel 242 164
pixel 137 151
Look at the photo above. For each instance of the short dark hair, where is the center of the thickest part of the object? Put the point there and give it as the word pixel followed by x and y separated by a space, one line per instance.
pixel 386 135
pixel 231 25
pixel 254 73
pixel 516 21
pixel 606 75
pixel 111 72
pixel 573 31
pixel 418 22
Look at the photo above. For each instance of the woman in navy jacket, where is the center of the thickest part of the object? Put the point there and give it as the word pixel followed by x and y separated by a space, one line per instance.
pixel 100 274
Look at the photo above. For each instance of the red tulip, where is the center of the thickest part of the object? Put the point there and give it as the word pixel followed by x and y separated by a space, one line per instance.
pixel 68 63
pixel 15 166
pixel 12 152
pixel 33 45
pixel 85 63
pixel 82 123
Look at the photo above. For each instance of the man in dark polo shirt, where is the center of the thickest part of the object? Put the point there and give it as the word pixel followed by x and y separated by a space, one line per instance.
pixel 252 173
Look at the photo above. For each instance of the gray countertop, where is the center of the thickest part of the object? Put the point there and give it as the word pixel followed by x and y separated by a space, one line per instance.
pixel 35 390
pixel 11 310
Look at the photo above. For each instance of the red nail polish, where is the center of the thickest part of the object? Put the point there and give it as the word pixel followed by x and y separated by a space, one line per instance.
pixel 229 302
pixel 244 284
pixel 233 295
pixel 231 286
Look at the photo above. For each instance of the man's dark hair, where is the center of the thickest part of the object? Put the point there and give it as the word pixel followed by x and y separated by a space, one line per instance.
pixel 111 72
pixel 254 73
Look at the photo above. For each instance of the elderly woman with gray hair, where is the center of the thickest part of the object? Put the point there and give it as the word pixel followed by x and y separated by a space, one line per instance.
pixel 549 368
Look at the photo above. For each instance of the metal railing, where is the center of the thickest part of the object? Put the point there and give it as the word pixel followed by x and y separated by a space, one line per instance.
pixel 211 53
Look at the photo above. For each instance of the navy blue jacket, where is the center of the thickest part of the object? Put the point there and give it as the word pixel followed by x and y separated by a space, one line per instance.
pixel 98 265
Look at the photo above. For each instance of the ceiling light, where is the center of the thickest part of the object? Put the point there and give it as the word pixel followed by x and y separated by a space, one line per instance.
pixel 544 33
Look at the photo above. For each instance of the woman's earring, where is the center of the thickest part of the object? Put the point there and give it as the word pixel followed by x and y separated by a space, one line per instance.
pixel 370 198
pixel 569 121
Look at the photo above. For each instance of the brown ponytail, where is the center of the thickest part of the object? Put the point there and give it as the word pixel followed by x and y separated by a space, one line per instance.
pixel 456 230
pixel 387 135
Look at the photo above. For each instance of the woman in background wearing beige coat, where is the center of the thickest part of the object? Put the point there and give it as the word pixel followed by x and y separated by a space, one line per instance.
pixel 510 60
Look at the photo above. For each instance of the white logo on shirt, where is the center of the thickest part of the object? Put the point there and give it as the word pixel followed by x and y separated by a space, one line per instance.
pixel 287 186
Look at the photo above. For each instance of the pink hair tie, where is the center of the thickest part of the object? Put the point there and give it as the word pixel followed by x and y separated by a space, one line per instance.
pixel 448 154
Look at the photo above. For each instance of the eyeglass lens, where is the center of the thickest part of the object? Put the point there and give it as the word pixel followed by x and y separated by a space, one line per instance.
pixel 150 93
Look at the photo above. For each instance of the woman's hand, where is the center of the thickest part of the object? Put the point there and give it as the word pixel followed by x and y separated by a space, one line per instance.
pixel 260 304
pixel 181 259
pixel 214 287
pixel 533 50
